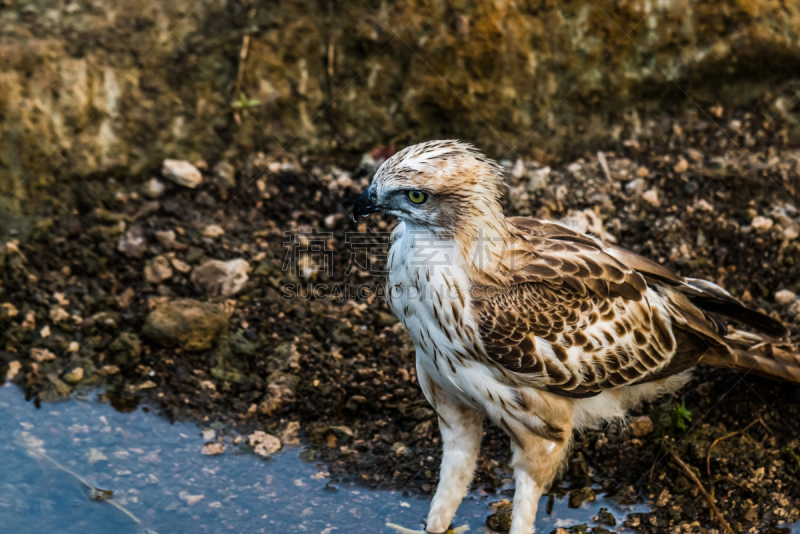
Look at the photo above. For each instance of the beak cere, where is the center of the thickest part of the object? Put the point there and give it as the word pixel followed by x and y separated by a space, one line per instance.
pixel 364 204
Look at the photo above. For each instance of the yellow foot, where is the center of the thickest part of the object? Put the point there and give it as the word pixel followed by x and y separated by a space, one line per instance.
pixel 404 530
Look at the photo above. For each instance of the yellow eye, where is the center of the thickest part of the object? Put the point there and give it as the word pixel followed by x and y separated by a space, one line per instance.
pixel 417 197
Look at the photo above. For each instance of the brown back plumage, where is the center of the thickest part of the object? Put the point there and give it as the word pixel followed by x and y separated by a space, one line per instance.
pixel 582 316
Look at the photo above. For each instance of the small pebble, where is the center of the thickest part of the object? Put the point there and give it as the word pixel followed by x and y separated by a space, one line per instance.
pixel 213 230
pixel 153 188
pixel 762 224
pixel 182 173
pixel 651 197
pixel 213 448
pixel 784 296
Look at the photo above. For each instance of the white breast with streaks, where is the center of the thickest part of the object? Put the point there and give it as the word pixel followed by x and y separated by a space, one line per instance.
pixel 428 290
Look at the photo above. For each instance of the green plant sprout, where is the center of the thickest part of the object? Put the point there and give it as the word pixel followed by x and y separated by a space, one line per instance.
pixel 681 415
pixel 245 103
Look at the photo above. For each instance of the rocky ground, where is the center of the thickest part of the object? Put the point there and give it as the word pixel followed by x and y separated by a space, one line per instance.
pixel 219 293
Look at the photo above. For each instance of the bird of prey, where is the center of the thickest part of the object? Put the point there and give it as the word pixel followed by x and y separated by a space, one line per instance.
pixel 543 329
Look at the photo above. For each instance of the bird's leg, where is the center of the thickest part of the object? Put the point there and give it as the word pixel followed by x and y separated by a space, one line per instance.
pixel 462 429
pixel 535 467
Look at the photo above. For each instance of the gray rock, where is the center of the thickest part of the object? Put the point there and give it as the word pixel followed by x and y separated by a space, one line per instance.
pixel 185 323
pixel 225 174
pixel 217 278
pixel 166 238
pixel 182 173
pixel 126 350
pixel 133 244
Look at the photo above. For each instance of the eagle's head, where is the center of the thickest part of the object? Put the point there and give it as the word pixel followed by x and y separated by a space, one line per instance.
pixel 445 186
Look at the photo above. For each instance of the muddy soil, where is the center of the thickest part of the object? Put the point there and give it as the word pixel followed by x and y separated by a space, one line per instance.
pixel 306 347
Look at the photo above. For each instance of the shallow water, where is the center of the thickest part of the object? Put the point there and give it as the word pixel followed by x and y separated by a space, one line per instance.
pixel 157 473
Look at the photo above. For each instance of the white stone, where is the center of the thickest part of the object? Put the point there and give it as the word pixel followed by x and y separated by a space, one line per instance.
pixel 182 173
pixel 153 188
pixel 217 278
pixel 762 224
pixel 784 296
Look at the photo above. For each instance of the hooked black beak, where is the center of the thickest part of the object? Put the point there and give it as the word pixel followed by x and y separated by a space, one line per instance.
pixel 364 204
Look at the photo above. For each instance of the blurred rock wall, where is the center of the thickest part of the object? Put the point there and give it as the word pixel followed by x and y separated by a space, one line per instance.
pixel 99 88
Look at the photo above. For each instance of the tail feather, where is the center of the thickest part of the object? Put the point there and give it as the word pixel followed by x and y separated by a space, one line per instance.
pixel 754 354
pixel 711 298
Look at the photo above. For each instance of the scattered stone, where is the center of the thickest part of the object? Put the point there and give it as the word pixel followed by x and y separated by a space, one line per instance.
pixel 651 197
pixel 9 310
pixel 126 350
pixel 74 376
pixel 42 355
pixel 125 298
pixel 681 166
pixel 280 390
pixel 695 155
pixel 186 323
pixel 14 367
pixel 636 186
pixel 791 232
pixel 189 498
pixel 500 520
pixel 153 188
pixel 55 390
pixel 538 179
pixel 762 224
pixel 579 496
pixel 317 431
pixel 642 172
pixel 108 370
pixel 784 296
pixel 423 429
pixel 213 230
pixel 264 444
pixel 217 278
pixel 180 266
pixel 45 331
pixel 342 432
pixel 166 238
pixel 212 448
pixel 132 244
pixel 663 498
pixel 399 449
pixel 640 426
pixel 157 270
pixel 225 174
pixel 96 455
pixel 58 314
pixel 606 518
pixel 518 170
pixel 182 173
pixel 355 402
pixel 74 346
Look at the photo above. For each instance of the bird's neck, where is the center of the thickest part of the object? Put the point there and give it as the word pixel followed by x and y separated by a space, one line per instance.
pixel 484 241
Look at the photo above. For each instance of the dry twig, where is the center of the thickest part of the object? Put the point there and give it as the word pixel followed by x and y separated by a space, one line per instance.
pixel 726 436
pixel 601 157
pixel 709 499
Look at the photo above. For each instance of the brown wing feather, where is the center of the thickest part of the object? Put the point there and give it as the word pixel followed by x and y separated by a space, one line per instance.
pixel 578 318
